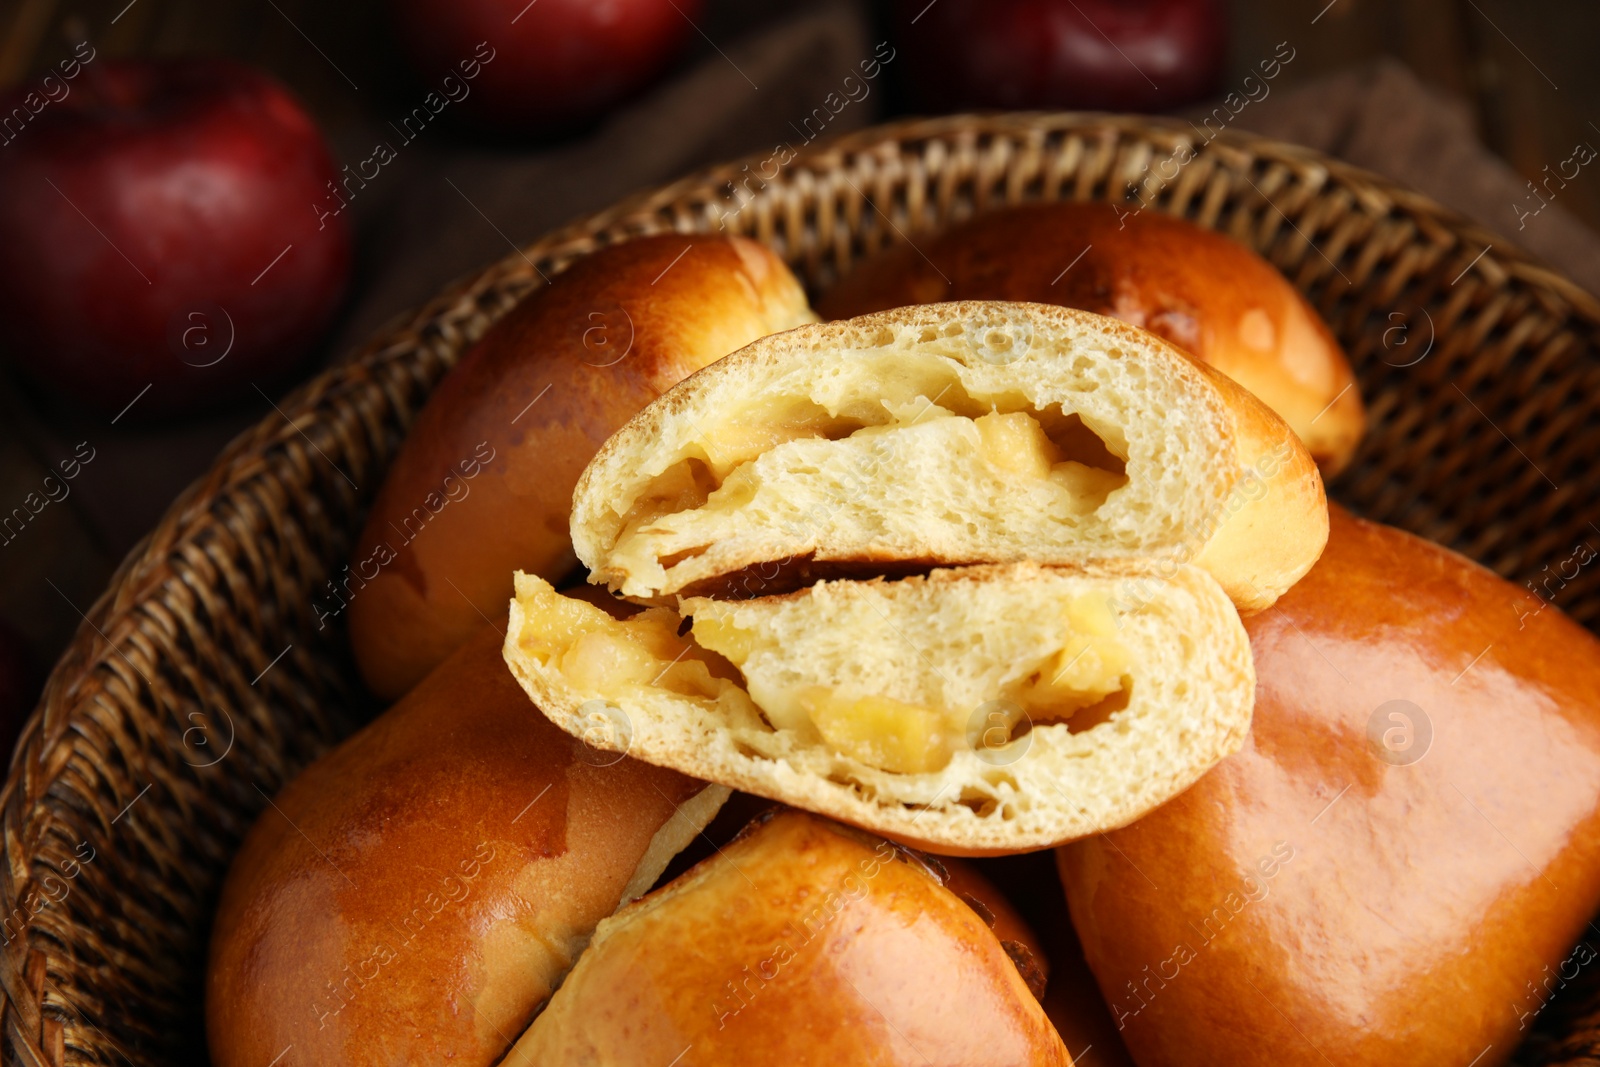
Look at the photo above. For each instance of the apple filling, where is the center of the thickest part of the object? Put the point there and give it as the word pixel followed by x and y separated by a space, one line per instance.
pixel 797 466
pixel 907 737
pixel 611 658
pixel 715 664
pixel 1090 666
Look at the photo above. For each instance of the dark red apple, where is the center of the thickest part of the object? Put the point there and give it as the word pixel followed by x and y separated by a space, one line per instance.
pixel 542 66
pixel 1110 55
pixel 164 223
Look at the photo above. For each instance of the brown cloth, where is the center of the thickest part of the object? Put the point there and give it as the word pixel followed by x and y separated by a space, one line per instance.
pixel 446 208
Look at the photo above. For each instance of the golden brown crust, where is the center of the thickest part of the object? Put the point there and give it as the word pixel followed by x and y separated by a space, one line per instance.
pixel 415 894
pixel 1192 286
pixel 1396 866
pixel 483 483
pixel 800 942
pixel 1276 508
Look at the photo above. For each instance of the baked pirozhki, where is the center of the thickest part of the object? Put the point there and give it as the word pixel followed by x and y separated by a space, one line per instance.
pixel 1402 865
pixel 483 482
pixel 1204 292
pixel 975 711
pixel 417 894
pixel 951 434
pixel 802 942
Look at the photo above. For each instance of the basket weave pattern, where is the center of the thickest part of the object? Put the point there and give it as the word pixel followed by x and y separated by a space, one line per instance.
pixel 200 683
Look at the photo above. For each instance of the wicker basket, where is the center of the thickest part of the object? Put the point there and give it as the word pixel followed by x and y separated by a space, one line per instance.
pixel 200 683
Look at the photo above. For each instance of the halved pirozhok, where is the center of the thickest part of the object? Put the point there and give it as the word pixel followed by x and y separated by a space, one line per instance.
pixel 950 434
pixel 977 710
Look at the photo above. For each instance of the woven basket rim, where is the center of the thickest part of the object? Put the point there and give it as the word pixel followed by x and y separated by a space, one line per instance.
pixel 1516 260
pixel 146 567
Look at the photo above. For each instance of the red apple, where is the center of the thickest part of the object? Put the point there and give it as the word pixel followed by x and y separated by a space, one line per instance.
pixel 161 224
pixel 1112 55
pixel 546 65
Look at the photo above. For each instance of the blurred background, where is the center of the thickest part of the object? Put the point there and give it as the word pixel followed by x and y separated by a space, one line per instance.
pixel 202 203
